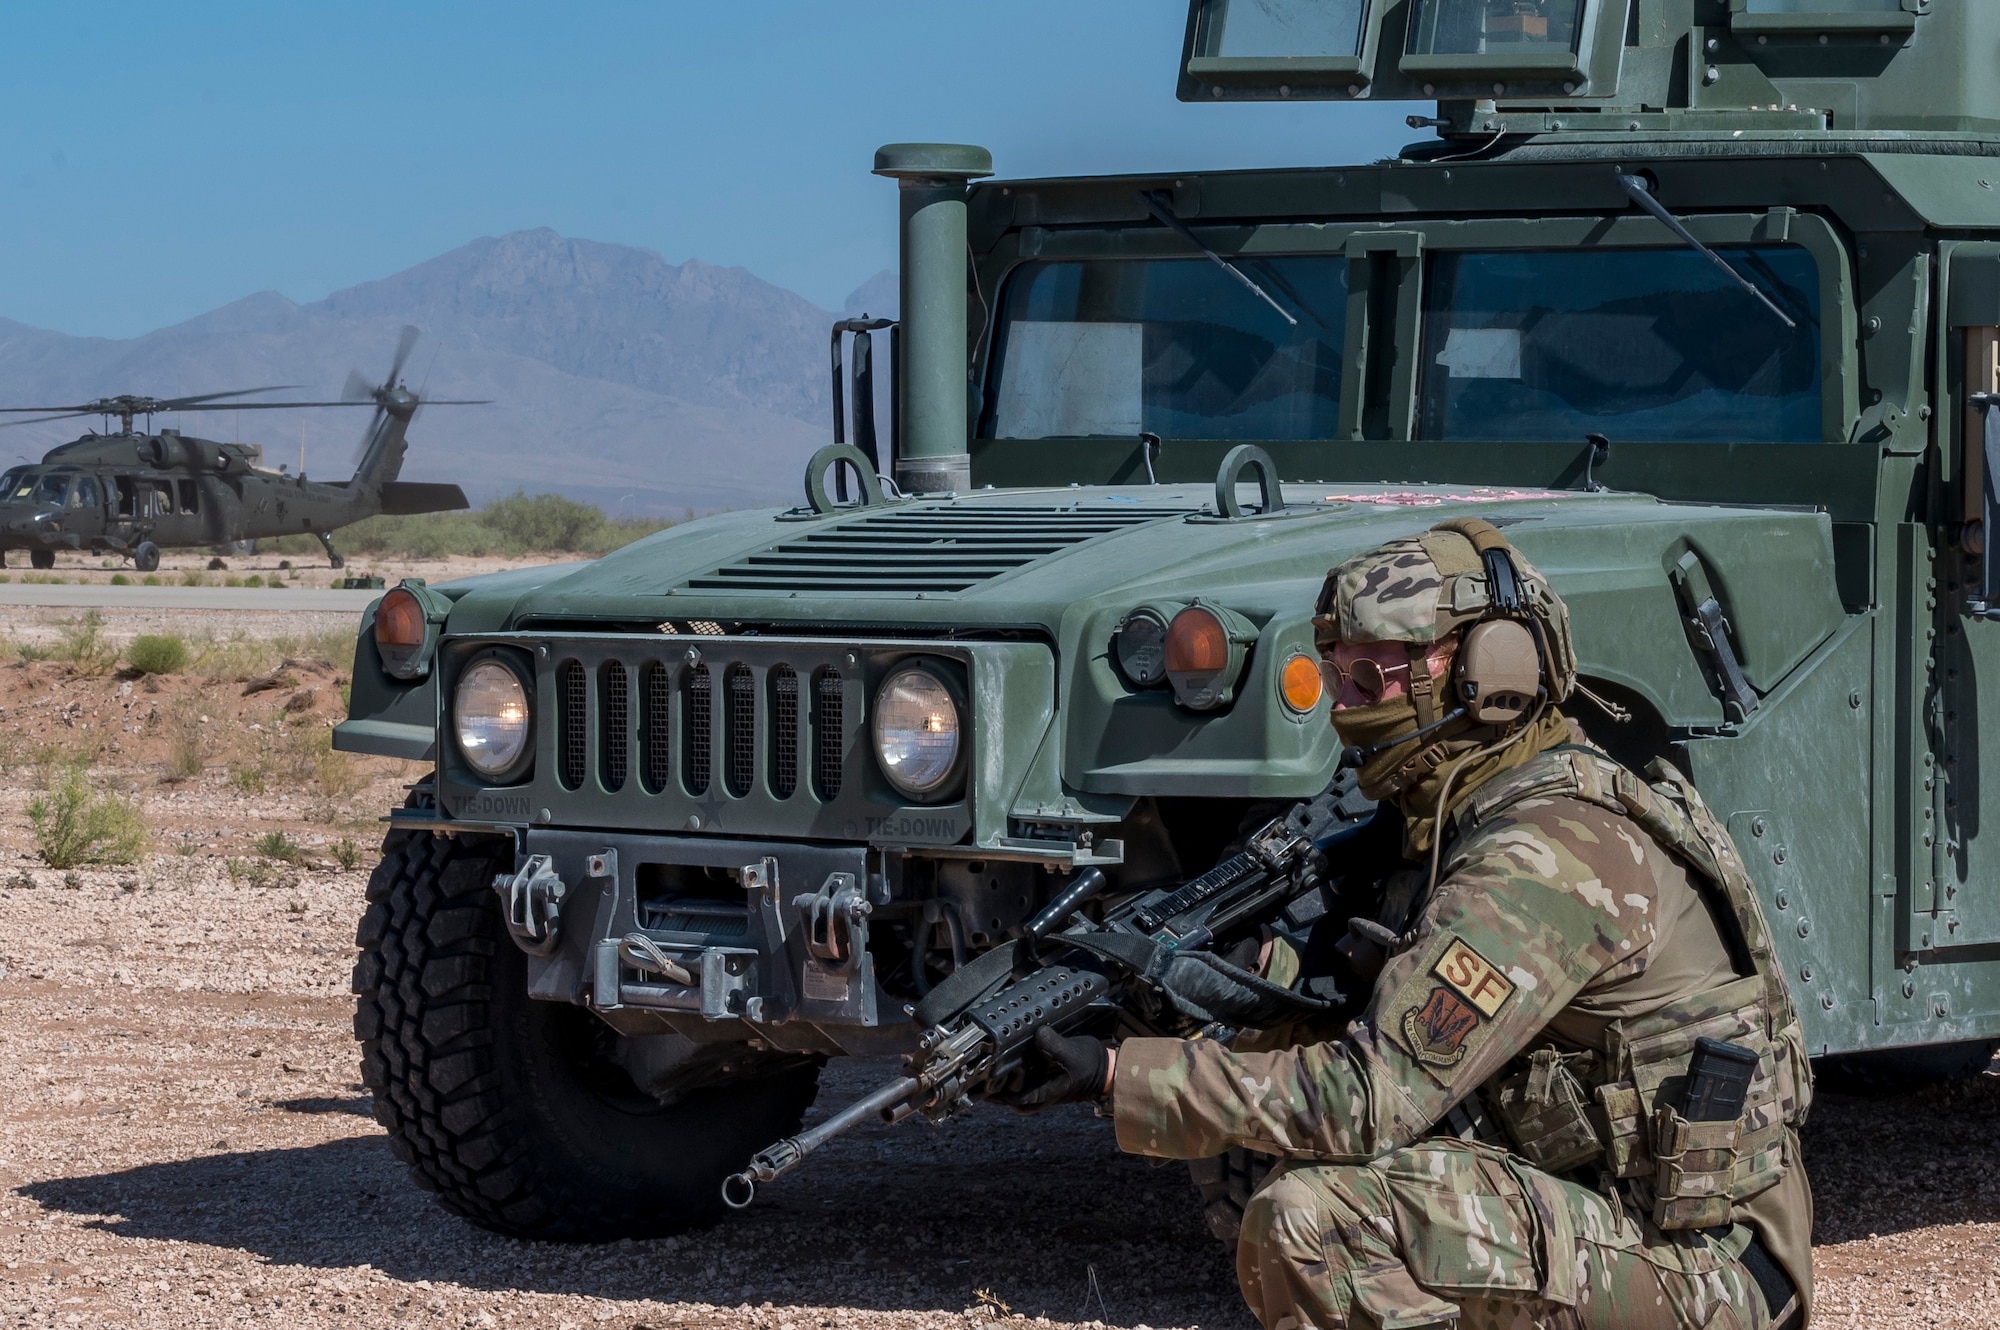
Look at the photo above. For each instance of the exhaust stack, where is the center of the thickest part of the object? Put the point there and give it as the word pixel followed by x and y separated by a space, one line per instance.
pixel 931 456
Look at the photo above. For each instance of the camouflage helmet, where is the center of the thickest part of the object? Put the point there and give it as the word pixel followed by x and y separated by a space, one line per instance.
pixel 1420 589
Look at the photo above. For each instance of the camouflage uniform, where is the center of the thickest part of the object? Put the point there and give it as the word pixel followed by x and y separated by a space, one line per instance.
pixel 1567 956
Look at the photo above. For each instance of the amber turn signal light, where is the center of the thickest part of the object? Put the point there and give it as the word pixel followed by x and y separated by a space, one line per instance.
pixel 400 622
pixel 1299 683
pixel 1197 643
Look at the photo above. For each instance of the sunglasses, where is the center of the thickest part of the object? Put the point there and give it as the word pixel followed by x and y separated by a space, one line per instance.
pixel 1369 677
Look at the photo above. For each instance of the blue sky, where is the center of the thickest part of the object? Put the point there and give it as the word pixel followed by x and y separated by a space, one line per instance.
pixel 161 160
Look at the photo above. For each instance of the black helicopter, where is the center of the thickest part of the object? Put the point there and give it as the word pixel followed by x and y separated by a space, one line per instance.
pixel 131 493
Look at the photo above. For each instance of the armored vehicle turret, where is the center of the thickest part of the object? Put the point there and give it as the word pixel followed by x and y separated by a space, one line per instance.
pixel 1698 300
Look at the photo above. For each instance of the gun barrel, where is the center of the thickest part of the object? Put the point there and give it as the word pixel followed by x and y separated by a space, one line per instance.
pixel 774 1161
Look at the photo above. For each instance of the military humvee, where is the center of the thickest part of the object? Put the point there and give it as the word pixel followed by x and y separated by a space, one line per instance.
pixel 1698 299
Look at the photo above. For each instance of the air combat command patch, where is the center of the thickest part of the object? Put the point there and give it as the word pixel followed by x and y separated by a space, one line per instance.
pixel 1444 1011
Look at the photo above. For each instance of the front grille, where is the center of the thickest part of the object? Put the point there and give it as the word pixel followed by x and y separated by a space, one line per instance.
pixel 784 731
pixel 572 722
pixel 742 730
pixel 615 720
pixel 658 735
pixel 829 733
pixel 928 548
pixel 750 736
pixel 699 695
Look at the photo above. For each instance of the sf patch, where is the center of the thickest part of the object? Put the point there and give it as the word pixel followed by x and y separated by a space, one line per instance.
pixel 1442 1015
pixel 1473 977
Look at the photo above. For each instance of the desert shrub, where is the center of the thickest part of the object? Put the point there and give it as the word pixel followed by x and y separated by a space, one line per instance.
pixel 545 521
pixel 518 523
pixel 347 854
pixel 248 780
pixel 150 579
pixel 158 653
pixel 252 580
pixel 73 824
pixel 187 741
pixel 277 845
pixel 192 578
pixel 119 579
pixel 81 645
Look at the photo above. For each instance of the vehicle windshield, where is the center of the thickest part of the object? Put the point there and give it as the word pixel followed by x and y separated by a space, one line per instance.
pixel 51 488
pixel 1518 345
pixel 1644 344
pixel 1176 347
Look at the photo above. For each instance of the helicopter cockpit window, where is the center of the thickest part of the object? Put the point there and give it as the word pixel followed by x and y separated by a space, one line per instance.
pixel 1176 347
pixel 51 489
pixel 85 494
pixel 1641 344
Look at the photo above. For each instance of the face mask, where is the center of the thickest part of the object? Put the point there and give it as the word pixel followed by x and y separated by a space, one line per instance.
pixel 1379 725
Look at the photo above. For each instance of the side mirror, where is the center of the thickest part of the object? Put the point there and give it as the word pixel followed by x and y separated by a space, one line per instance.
pixel 863 384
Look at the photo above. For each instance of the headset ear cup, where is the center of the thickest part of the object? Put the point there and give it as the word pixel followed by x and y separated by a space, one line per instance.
pixel 1498 675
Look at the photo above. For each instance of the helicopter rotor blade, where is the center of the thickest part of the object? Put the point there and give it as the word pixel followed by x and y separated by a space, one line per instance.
pixel 183 403
pixel 67 415
pixel 357 388
pixel 404 345
pixel 271 406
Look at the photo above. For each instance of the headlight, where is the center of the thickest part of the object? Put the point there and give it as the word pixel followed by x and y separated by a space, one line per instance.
pixel 916 732
pixel 489 712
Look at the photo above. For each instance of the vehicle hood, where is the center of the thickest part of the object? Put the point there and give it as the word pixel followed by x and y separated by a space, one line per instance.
pixel 1063 565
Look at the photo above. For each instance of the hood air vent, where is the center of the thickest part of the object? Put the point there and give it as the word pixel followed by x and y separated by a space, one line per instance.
pixel 923 549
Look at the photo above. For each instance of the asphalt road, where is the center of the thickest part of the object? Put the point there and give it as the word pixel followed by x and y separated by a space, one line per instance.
pixel 182 597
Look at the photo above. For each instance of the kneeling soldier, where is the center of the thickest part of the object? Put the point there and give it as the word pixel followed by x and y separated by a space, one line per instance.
pixel 1573 1096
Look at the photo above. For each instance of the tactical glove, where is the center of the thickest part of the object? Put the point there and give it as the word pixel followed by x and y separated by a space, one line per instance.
pixel 1055 1069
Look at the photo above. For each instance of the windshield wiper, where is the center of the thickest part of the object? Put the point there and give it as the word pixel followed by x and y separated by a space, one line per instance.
pixel 1157 202
pixel 1642 194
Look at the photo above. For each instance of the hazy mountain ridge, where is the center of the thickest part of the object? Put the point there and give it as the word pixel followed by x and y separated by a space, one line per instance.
pixel 616 376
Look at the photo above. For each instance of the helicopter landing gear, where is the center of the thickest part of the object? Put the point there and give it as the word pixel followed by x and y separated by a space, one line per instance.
pixel 43 559
pixel 333 556
pixel 146 556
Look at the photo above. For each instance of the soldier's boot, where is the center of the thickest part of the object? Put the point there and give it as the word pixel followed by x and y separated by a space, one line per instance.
pixel 1449 1233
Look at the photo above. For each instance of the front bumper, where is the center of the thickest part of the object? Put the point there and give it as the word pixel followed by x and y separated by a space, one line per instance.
pixel 740 919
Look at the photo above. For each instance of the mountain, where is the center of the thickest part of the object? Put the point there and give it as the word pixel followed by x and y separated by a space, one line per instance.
pixel 615 376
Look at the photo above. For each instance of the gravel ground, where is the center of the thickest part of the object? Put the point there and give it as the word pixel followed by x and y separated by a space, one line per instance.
pixel 184 1141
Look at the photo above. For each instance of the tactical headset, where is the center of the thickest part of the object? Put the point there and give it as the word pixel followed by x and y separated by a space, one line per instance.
pixel 1504 669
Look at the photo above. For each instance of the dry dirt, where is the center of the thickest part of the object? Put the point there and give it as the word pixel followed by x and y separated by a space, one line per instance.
pixel 185 1142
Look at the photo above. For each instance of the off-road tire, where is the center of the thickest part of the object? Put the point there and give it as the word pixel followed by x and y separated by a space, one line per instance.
pixel 146 558
pixel 492 1097
pixel 1226 1183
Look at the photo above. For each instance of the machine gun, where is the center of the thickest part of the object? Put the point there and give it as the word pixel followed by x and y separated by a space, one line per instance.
pixel 1149 958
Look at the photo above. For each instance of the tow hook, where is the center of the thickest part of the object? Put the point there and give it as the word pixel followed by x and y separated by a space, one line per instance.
pixel 531 900
pixel 836 919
